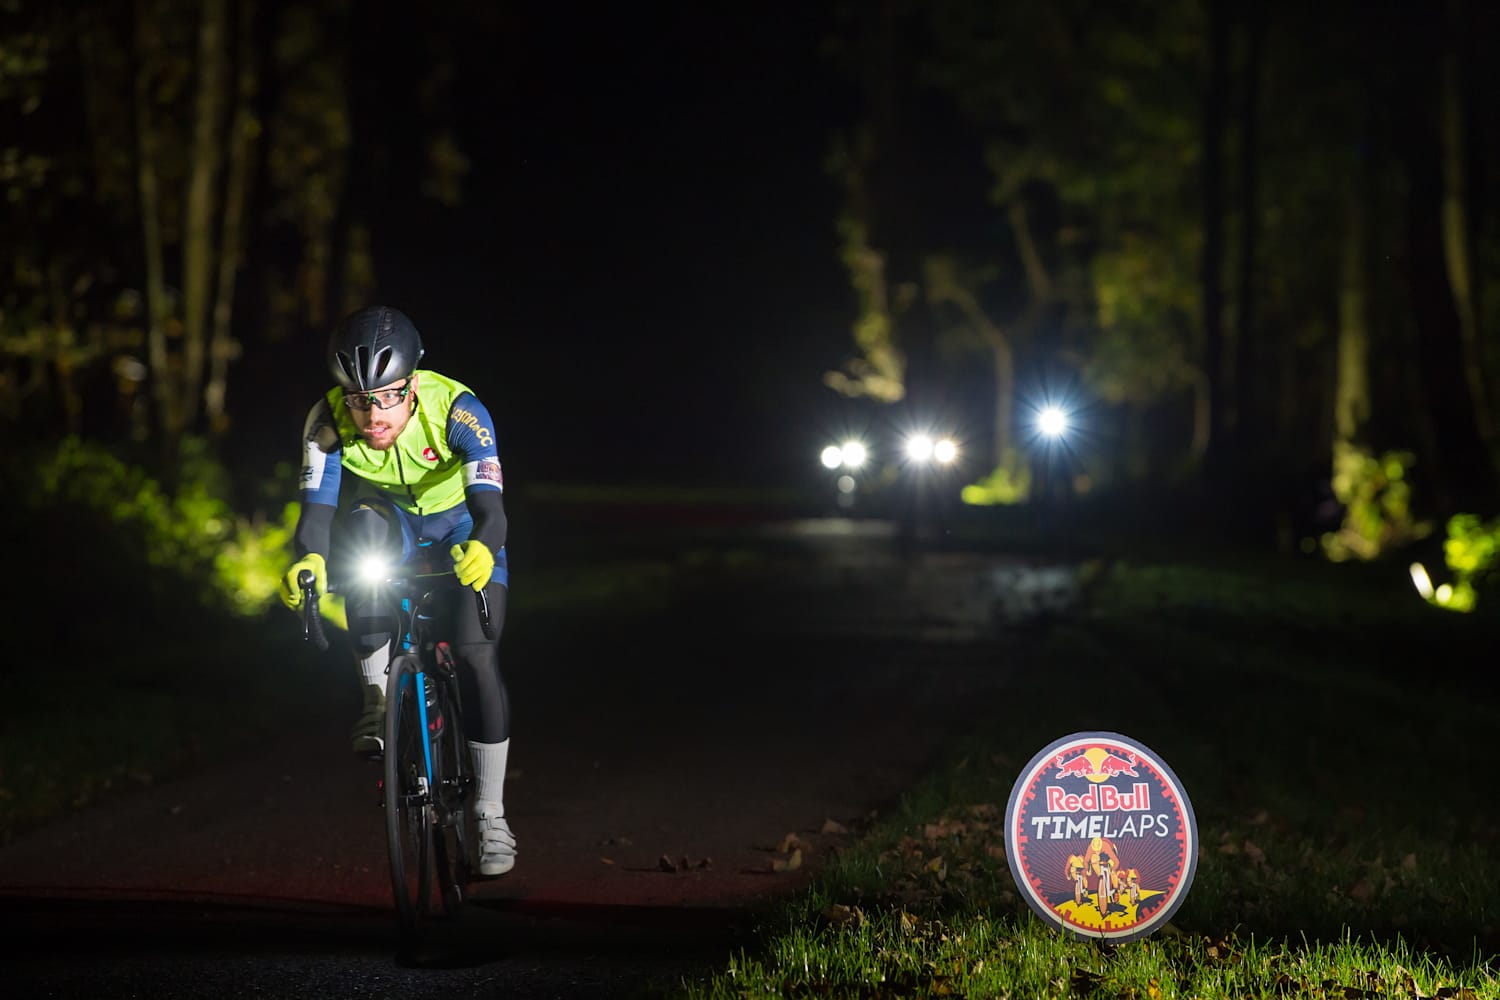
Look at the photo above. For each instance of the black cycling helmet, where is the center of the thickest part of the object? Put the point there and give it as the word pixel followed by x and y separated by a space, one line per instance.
pixel 372 348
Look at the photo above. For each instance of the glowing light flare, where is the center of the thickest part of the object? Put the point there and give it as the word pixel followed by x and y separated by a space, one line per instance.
pixel 372 569
pixel 832 457
pixel 854 454
pixel 922 448
pixel 1052 421
pixel 1421 581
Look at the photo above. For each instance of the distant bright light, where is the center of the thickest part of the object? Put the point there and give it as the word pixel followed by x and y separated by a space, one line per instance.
pixel 919 447
pixel 945 451
pixel 1052 421
pixel 832 457
pixel 846 484
pixel 1421 580
pixel 853 453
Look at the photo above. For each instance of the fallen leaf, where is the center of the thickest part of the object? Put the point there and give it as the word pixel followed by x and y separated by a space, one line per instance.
pixel 839 914
pixel 607 861
pixel 833 826
pixel 788 864
pixel 666 864
pixel 1409 863
pixel 1255 854
pixel 791 842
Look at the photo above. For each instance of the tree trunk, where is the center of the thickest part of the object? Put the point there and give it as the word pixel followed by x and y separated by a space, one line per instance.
pixel 1351 405
pixel 1215 106
pixel 1456 239
pixel 243 131
pixel 169 415
pixel 202 200
pixel 1241 417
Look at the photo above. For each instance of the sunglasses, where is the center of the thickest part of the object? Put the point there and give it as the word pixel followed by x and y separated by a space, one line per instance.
pixel 382 399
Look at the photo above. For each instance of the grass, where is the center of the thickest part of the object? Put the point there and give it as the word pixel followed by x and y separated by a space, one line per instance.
pixel 1334 735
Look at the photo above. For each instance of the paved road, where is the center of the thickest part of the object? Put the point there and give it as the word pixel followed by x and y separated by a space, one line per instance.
pixel 707 733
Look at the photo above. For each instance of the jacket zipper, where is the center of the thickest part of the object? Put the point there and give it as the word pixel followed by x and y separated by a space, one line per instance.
pixel 401 473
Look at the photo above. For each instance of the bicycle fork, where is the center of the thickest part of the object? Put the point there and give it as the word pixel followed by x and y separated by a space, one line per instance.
pixel 424 691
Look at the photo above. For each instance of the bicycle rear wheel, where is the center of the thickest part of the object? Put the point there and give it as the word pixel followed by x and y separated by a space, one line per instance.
pixel 455 779
pixel 408 809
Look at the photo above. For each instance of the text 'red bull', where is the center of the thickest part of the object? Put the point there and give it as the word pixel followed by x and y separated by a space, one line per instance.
pixel 1100 798
pixel 1100 801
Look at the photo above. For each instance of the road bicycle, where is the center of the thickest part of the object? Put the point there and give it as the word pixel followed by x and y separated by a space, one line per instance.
pixel 427 778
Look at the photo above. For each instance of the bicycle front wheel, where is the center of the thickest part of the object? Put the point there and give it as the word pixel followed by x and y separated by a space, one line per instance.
pixel 451 848
pixel 408 797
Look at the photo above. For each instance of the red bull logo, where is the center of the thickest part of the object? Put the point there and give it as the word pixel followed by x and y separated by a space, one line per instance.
pixel 1093 853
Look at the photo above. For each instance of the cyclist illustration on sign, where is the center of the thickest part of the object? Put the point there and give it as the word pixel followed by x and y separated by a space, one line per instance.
pixel 424 472
pixel 1101 860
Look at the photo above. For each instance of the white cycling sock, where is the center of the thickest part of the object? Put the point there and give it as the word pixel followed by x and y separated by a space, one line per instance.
pixel 373 668
pixel 489 771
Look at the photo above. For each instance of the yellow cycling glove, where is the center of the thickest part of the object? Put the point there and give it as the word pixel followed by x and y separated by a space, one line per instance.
pixel 473 563
pixel 291 590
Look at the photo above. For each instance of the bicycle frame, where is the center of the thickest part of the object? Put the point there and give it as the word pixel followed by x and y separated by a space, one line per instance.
pixel 423 797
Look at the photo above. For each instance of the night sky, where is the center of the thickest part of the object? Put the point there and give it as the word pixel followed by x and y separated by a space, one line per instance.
pixel 643 279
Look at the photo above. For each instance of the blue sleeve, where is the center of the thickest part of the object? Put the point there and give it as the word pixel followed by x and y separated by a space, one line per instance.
pixel 322 467
pixel 322 457
pixel 471 435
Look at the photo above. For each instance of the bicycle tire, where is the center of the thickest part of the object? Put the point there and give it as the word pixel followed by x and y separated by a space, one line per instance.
pixel 451 845
pixel 408 813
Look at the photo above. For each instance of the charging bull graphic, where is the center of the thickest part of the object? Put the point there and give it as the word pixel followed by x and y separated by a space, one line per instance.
pixel 1101 837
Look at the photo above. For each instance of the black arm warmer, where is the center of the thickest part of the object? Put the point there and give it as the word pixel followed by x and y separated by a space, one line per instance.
pixel 314 525
pixel 487 507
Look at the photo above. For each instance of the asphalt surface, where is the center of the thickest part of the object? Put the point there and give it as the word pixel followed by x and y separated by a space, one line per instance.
pixel 701 736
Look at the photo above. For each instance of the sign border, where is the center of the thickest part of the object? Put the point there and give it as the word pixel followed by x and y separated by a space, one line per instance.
pixel 1028 776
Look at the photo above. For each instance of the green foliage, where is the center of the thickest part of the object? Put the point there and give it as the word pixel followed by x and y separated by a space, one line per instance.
pixel 1377 504
pixel 1471 551
pixel 1009 483
pixel 192 534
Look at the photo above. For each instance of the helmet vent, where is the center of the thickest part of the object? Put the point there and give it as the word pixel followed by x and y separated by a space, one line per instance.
pixel 381 366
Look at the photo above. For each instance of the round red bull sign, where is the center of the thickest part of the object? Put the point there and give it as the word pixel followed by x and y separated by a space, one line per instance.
pixel 1101 837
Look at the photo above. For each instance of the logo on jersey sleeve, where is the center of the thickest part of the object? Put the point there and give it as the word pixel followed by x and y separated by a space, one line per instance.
pixel 463 416
pixel 484 471
pixel 429 454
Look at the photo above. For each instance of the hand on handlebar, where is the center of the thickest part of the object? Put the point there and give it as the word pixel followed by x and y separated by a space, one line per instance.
pixel 291 589
pixel 473 563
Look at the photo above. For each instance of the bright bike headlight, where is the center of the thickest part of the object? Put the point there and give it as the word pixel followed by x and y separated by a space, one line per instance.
pixel 372 569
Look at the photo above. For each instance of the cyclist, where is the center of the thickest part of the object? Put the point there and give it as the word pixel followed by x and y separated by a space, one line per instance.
pixel 423 468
